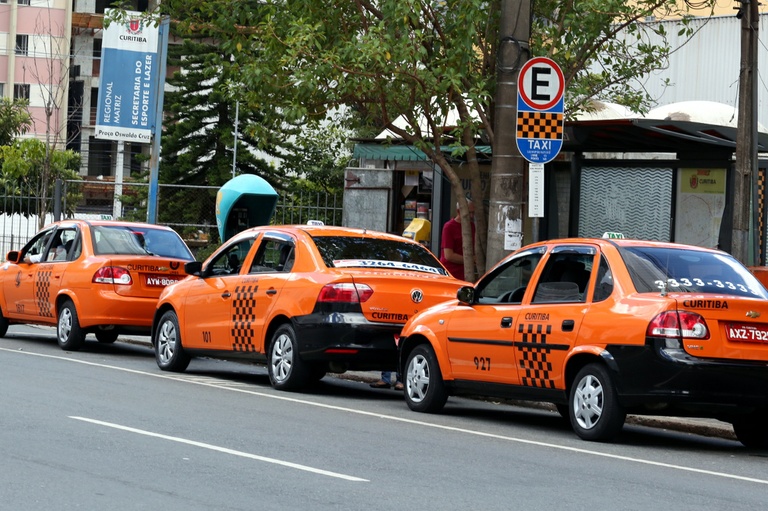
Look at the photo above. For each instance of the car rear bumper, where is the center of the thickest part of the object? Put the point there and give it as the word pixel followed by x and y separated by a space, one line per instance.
pixel 107 308
pixel 658 378
pixel 347 338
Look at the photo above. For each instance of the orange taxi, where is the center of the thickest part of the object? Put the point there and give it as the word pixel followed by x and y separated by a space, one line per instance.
pixel 305 299
pixel 90 276
pixel 602 328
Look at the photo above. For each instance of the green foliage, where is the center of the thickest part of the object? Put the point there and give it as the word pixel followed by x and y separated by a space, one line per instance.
pixel 14 119
pixel 21 174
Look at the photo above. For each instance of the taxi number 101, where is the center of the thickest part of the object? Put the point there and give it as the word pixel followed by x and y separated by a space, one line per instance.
pixel 482 363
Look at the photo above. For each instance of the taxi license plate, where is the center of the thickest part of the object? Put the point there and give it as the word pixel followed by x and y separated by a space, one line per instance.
pixel 161 280
pixel 746 333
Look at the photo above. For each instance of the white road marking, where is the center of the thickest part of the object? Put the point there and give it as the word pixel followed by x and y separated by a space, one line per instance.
pixel 408 421
pixel 221 449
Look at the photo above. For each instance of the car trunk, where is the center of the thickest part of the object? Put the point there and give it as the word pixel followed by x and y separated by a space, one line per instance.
pixel 149 275
pixel 394 301
pixel 738 327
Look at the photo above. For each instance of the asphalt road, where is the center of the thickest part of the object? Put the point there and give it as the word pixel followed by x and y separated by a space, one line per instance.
pixel 104 428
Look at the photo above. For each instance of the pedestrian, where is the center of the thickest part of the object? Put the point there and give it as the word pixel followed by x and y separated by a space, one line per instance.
pixel 386 381
pixel 451 243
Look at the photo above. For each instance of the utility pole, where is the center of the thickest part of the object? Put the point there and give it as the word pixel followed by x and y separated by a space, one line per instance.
pixel 505 210
pixel 745 183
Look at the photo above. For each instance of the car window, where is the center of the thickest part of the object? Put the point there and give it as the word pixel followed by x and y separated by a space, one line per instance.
pixel 507 284
pixel 34 251
pixel 359 252
pixel 604 282
pixel 62 247
pixel 273 256
pixel 130 240
pixel 565 276
pixel 230 259
pixel 655 269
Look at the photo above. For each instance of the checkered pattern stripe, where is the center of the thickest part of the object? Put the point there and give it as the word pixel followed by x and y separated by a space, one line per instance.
pixel 243 314
pixel 42 290
pixel 539 125
pixel 761 215
pixel 533 359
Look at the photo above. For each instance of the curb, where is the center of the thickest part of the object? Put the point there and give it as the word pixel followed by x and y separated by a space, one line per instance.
pixel 697 426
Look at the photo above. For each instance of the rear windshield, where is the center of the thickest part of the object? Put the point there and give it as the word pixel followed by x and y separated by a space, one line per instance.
pixel 353 252
pixel 125 240
pixel 689 271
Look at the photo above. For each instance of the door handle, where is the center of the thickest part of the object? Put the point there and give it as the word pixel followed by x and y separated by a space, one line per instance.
pixel 271 291
pixel 568 325
pixel 226 294
pixel 506 322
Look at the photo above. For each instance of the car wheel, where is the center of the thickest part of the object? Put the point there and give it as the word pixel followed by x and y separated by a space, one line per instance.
pixel 595 411
pixel 750 431
pixel 286 369
pixel 169 353
pixel 106 336
pixel 424 387
pixel 3 324
pixel 68 332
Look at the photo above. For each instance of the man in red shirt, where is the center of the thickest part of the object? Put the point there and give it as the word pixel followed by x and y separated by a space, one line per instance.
pixel 452 251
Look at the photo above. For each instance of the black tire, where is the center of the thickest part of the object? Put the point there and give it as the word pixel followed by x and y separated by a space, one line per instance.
pixel 594 409
pixel 750 431
pixel 286 369
pixel 563 411
pixel 424 388
pixel 317 372
pixel 3 324
pixel 68 332
pixel 169 353
pixel 106 336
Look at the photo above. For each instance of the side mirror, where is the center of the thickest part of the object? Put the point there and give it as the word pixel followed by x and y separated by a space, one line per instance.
pixel 193 268
pixel 14 256
pixel 466 295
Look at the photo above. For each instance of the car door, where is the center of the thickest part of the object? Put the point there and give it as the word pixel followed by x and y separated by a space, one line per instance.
pixel 259 290
pixel 481 335
pixel 25 282
pixel 548 326
pixel 49 275
pixel 208 305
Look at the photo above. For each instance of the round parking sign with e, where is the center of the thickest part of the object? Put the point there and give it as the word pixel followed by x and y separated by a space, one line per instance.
pixel 541 83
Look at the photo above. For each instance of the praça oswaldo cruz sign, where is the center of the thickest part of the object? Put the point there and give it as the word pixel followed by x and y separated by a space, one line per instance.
pixel 540 108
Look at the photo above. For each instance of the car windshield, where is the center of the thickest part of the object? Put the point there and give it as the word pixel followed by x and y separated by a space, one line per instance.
pixel 689 271
pixel 348 252
pixel 130 240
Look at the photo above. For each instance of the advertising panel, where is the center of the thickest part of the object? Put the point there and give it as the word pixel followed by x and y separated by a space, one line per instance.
pixel 128 89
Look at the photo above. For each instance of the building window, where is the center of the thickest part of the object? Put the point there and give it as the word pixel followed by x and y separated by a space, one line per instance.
pixel 21 91
pixel 22 44
pixel 22 2
pixel 2 85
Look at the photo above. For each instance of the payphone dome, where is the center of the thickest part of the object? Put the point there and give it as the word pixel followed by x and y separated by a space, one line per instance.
pixel 242 202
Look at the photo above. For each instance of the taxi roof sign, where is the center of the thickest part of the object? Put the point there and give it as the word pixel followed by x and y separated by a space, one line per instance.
pixel 613 235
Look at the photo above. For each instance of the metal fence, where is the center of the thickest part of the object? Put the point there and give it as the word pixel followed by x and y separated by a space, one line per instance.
pixel 190 210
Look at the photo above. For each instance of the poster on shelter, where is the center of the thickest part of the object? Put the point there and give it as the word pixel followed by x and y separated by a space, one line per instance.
pixel 700 205
pixel 128 88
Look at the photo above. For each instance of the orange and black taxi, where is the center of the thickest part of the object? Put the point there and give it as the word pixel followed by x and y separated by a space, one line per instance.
pixel 602 328
pixel 88 276
pixel 304 299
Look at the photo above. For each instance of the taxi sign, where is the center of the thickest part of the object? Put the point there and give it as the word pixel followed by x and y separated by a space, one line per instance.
pixel 613 235
pixel 540 107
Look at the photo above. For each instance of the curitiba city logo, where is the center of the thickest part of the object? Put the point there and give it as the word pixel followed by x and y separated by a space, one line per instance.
pixel 134 27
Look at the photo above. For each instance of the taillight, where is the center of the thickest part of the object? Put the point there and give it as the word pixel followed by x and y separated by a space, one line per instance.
pixel 112 275
pixel 345 293
pixel 678 324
